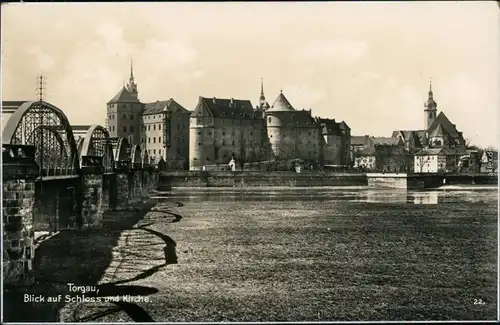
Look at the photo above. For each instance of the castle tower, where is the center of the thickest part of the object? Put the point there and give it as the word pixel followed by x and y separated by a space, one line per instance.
pixel 123 114
pixel 280 118
pixel 430 111
pixel 202 134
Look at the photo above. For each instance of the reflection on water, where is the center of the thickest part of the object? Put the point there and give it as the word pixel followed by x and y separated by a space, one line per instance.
pixel 426 197
pixel 349 194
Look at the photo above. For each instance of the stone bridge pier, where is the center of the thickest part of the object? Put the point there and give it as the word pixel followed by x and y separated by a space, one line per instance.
pixel 92 176
pixel 19 173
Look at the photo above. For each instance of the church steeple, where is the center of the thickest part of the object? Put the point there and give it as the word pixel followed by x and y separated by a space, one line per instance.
pixel 262 98
pixel 132 86
pixel 430 108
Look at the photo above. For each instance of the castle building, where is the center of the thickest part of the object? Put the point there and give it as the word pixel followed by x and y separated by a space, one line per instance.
pixel 292 133
pixel 165 132
pixel 161 127
pixel 335 142
pixel 222 129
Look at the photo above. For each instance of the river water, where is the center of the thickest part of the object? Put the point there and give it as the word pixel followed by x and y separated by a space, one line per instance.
pixel 323 254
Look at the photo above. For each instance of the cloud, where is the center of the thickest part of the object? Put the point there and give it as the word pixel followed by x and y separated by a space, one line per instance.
pixel 94 70
pixel 44 61
pixel 340 51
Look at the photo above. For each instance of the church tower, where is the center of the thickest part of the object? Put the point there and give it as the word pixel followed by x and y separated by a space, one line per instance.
pixel 430 108
pixel 263 105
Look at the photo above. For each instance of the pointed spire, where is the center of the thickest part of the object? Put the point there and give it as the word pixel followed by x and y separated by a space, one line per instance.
pixel 262 98
pixel 430 103
pixel 131 70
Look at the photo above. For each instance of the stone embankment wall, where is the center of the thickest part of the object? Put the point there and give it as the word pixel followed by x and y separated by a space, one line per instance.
pixel 168 180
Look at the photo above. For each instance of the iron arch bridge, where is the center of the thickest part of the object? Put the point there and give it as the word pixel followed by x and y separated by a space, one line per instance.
pixel 46 127
pixel 97 144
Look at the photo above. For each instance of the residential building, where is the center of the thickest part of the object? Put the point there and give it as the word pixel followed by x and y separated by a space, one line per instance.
pixel 438 160
pixel 470 163
pixel 489 161
pixel 383 154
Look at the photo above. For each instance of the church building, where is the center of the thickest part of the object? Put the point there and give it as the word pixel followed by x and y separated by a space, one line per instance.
pixel 439 146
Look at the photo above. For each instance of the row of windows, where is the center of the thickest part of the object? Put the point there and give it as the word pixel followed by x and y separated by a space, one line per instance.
pixel 154 117
pixel 143 140
pixel 159 151
pixel 149 127
pixel 244 143
pixel 124 117
pixel 112 128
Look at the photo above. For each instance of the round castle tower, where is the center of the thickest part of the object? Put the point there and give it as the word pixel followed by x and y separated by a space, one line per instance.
pixel 201 136
pixel 280 118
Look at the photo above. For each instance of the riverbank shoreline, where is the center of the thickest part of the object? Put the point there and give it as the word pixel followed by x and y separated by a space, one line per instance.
pixel 250 179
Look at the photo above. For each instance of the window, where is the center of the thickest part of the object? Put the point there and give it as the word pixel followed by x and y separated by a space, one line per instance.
pixel 124 129
pixel 199 133
pixel 251 133
pixel 178 127
pixel 208 158
pixel 159 151
pixel 159 126
pixel 149 127
pixel 142 140
pixel 154 151
pixel 223 133
pixel 233 143
pixel 131 129
pixel 113 127
pixel 154 140
pixel 269 120
pixel 131 116
pixel 209 133
pixel 223 142
pixel 199 143
pixel 154 127
pixel 149 140
pixel 179 151
pixel 149 151
pixel 159 139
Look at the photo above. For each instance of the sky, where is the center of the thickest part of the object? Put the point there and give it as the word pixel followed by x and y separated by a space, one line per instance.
pixel 368 64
